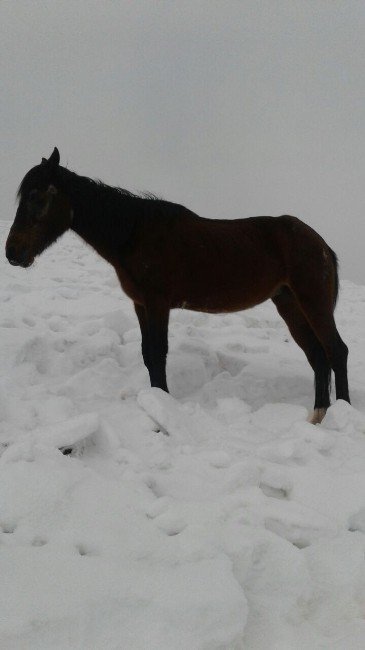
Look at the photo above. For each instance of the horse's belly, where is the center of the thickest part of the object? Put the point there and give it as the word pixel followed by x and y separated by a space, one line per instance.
pixel 227 300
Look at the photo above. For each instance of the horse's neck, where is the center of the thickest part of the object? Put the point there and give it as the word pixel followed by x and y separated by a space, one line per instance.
pixel 106 230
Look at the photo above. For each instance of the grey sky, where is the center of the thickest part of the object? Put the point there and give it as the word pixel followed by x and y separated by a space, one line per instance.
pixel 233 108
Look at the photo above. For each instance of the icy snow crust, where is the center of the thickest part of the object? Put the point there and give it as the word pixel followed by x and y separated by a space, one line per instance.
pixel 242 529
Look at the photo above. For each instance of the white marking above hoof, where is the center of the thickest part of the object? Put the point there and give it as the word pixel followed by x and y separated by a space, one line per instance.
pixel 317 416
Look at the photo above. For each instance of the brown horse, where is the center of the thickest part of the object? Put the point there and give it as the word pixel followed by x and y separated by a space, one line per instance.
pixel 166 257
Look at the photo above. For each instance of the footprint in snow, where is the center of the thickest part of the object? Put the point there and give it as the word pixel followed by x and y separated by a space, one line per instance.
pixel 8 528
pixel 27 320
pixel 275 484
pixel 357 522
pixel 84 550
pixel 171 524
pixel 39 541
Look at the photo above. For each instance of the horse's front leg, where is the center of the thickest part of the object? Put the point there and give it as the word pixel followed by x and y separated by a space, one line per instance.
pixel 153 321
pixel 142 319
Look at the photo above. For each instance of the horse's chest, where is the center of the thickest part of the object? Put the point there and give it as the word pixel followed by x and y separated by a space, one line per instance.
pixel 129 286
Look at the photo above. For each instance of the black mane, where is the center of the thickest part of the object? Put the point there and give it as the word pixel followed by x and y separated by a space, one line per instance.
pixel 39 177
pixel 96 185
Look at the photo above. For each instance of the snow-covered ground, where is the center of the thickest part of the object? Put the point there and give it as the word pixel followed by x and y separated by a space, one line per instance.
pixel 243 529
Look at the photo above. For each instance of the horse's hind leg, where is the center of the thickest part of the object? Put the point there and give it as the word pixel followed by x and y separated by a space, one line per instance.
pixel 305 337
pixel 316 303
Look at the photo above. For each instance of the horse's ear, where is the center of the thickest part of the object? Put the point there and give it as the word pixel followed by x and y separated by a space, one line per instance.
pixel 54 159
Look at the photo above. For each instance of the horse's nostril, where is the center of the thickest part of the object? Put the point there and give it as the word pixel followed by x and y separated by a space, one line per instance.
pixel 10 254
pixel 15 258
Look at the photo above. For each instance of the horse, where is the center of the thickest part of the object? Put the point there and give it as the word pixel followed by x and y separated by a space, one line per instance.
pixel 167 257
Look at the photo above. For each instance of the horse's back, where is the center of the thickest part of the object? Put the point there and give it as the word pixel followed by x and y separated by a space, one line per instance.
pixel 214 265
pixel 219 265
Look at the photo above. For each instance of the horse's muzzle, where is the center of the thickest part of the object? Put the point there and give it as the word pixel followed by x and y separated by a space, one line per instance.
pixel 18 259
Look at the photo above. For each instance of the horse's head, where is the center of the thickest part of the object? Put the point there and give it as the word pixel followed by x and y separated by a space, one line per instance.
pixel 44 213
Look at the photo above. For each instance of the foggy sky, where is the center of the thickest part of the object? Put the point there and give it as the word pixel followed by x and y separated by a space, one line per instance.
pixel 233 108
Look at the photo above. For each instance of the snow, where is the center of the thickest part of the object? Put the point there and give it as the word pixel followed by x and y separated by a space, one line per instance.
pixel 213 518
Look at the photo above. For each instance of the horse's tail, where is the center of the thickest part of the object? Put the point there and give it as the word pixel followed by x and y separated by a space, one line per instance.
pixel 335 268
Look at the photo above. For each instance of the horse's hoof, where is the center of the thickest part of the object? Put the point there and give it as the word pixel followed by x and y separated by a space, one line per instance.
pixel 317 416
